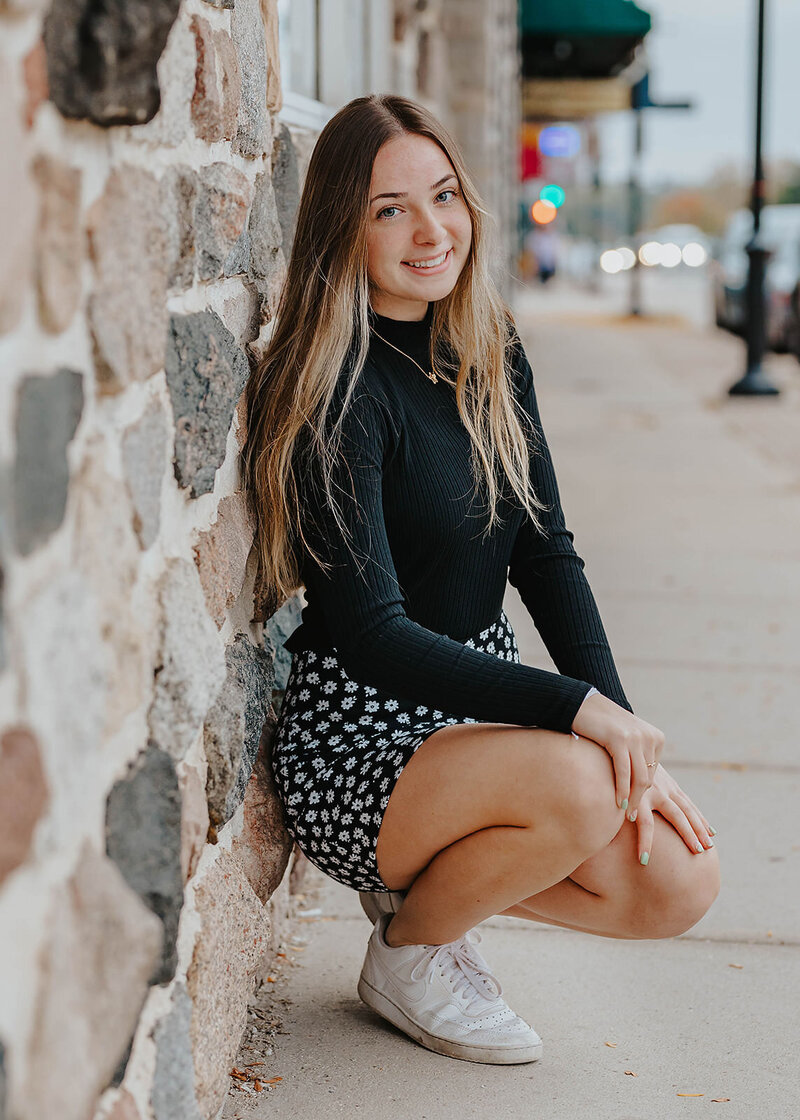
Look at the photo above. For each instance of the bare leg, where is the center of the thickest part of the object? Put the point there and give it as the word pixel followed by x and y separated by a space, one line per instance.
pixel 481 819
pixel 612 895
pixel 489 819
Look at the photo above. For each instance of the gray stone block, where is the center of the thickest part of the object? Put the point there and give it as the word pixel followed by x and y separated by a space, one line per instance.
pixel 276 630
pixel 191 662
pixel 48 412
pixel 267 262
pixel 128 307
pixel 172 1095
pixel 253 133
pixel 102 55
pixel 143 837
pixel 221 213
pixel 180 194
pixel 206 373
pixel 144 446
pixel 233 727
pixel 286 185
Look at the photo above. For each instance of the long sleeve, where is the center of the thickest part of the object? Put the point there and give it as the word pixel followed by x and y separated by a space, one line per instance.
pixel 365 610
pixel 549 574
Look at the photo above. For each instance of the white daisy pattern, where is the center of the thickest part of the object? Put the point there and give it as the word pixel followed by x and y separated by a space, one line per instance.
pixel 352 772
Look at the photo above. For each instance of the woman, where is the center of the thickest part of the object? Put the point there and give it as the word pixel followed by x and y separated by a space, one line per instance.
pixel 397 468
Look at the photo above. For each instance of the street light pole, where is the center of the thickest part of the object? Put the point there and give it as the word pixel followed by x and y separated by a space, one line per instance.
pixel 755 382
pixel 635 211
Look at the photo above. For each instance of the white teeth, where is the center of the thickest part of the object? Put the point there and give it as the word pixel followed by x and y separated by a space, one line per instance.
pixel 428 264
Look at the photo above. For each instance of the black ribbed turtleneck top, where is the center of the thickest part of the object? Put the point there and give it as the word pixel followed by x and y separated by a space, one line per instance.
pixel 419 577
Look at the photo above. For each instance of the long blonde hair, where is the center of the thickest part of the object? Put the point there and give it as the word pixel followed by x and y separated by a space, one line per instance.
pixel 322 325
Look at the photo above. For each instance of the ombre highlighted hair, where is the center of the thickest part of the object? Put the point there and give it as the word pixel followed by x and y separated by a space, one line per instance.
pixel 321 330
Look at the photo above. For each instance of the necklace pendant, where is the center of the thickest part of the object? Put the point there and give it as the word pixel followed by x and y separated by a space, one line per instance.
pixel 433 377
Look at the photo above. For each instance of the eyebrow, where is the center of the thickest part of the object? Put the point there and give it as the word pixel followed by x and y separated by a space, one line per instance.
pixel 404 194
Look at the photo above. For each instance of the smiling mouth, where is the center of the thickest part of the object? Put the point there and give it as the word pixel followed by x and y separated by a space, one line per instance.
pixel 430 262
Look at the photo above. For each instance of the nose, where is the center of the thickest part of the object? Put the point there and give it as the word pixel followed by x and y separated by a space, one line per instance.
pixel 429 229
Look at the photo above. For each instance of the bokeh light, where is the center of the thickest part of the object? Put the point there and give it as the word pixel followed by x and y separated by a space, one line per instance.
pixel 543 212
pixel 559 140
pixel 670 254
pixel 694 254
pixel 650 253
pixel 553 193
pixel 611 261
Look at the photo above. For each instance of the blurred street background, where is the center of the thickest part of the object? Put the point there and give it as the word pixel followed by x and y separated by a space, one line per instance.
pixel 628 271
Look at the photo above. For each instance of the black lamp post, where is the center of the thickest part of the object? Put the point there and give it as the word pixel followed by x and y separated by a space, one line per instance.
pixel 754 382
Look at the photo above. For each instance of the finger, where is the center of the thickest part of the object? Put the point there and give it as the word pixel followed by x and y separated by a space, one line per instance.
pixel 645 828
pixel 641 781
pixel 622 776
pixel 674 814
pixel 695 818
pixel 659 749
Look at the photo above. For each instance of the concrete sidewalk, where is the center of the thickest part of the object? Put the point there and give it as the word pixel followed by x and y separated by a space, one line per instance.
pixel 685 505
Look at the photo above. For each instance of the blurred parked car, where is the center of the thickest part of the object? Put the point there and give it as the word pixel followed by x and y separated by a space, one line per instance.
pixel 780 226
pixel 793 322
pixel 783 274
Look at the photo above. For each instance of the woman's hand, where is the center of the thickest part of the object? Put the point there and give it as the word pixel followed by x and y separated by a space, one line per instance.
pixel 635 746
pixel 666 797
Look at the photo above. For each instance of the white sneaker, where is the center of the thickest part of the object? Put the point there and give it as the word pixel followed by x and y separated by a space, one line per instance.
pixel 445 998
pixel 375 903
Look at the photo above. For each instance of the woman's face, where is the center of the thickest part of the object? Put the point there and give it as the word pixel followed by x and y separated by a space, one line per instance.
pixel 416 214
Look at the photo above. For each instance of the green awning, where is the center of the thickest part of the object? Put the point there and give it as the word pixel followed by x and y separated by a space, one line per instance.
pixel 583 18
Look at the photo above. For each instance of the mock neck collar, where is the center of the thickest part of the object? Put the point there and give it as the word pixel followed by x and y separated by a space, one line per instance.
pixel 401 332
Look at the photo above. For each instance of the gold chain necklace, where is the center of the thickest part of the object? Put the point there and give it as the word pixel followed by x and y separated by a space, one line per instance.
pixel 432 374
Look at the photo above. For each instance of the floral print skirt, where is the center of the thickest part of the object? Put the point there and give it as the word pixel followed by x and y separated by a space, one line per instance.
pixel 338 750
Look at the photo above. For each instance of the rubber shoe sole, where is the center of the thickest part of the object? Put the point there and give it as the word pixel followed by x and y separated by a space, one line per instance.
pixel 489 1055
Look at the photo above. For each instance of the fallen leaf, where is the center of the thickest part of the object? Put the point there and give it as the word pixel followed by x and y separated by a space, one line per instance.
pixel 735 966
pixel 690 1094
pixel 239 1074
pixel 271 1080
pixel 270 979
pixel 611 1044
pixel 719 1100
pixel 258 1086
pixel 630 1073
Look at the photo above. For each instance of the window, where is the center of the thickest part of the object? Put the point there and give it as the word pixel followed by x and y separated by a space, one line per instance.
pixel 330 52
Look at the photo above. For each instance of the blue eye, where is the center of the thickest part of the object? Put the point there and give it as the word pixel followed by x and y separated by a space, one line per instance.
pixel 385 215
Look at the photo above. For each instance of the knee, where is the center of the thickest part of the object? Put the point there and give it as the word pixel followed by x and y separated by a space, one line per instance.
pixel 588 797
pixel 669 904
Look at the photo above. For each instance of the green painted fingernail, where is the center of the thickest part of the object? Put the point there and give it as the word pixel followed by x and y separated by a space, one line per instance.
pixel 624 804
pixel 713 831
pixel 644 858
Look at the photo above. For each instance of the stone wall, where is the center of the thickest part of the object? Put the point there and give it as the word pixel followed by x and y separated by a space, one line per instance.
pixel 148 193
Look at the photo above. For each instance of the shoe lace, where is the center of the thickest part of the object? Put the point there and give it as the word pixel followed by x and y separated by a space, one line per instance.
pixel 465 969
